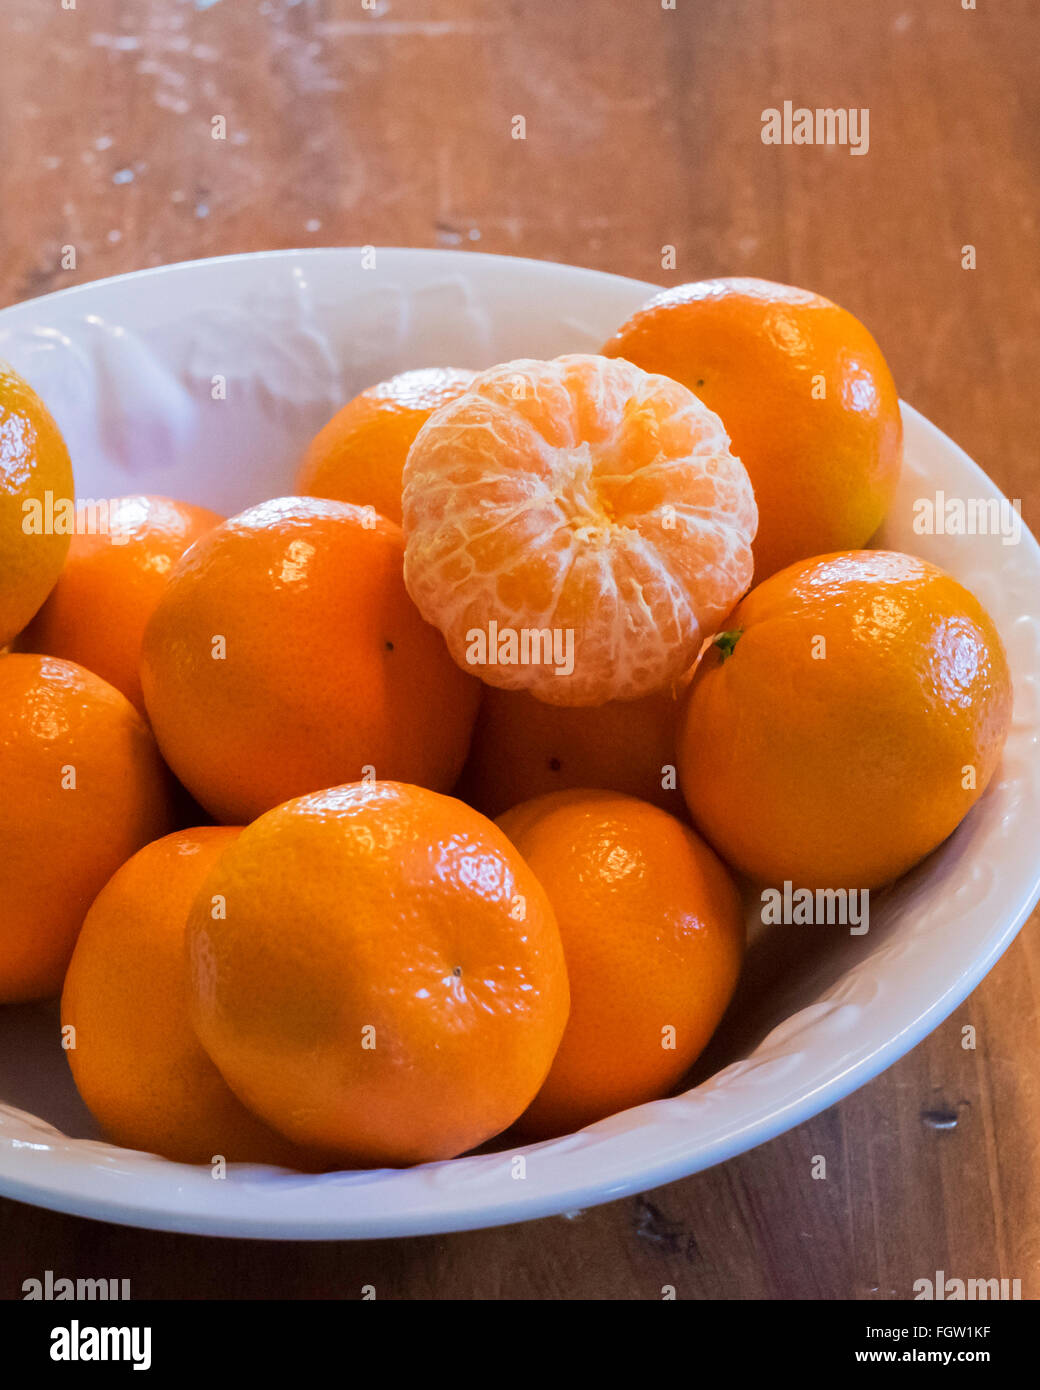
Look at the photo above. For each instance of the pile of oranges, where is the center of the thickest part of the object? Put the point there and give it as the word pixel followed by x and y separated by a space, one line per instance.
pixel 620 602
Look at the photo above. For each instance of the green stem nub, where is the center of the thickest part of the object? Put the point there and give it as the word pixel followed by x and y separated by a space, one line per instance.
pixel 726 641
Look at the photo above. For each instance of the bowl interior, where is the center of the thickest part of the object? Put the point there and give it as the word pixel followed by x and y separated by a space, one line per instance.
pixel 204 381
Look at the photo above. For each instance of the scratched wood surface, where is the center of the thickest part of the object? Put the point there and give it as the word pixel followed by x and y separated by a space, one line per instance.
pixel 391 126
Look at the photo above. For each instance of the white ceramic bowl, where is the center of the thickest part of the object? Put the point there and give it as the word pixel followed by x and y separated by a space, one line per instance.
pixel 131 368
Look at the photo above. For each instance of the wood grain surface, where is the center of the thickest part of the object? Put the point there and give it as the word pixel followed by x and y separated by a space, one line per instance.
pixel 391 125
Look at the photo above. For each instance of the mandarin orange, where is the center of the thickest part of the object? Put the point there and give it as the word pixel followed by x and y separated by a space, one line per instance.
pixel 135 1058
pixel 359 455
pixel 804 393
pixel 83 788
pixel 285 656
pixel 35 484
pixel 846 721
pixel 112 581
pixel 386 982
pixel 523 748
pixel 575 528
pixel 653 937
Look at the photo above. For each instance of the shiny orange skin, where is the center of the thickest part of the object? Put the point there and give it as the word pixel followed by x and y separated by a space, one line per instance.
pixel 97 612
pixel 388 985
pixel 523 748
pixel 33 462
pixel 359 455
pixel 842 771
pixel 328 667
pixel 61 843
pixel 824 471
pixel 653 935
pixel 136 1061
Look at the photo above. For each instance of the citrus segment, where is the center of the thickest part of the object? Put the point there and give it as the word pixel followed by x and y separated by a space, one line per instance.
pixel 585 501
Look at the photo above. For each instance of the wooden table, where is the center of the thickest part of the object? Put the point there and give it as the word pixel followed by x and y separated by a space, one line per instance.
pixel 391 125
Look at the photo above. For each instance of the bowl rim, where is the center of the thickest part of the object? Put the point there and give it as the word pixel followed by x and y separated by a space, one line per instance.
pixel 448 254
pixel 100 1195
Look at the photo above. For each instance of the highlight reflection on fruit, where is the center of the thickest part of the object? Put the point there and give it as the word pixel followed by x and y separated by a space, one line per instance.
pixel 358 967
